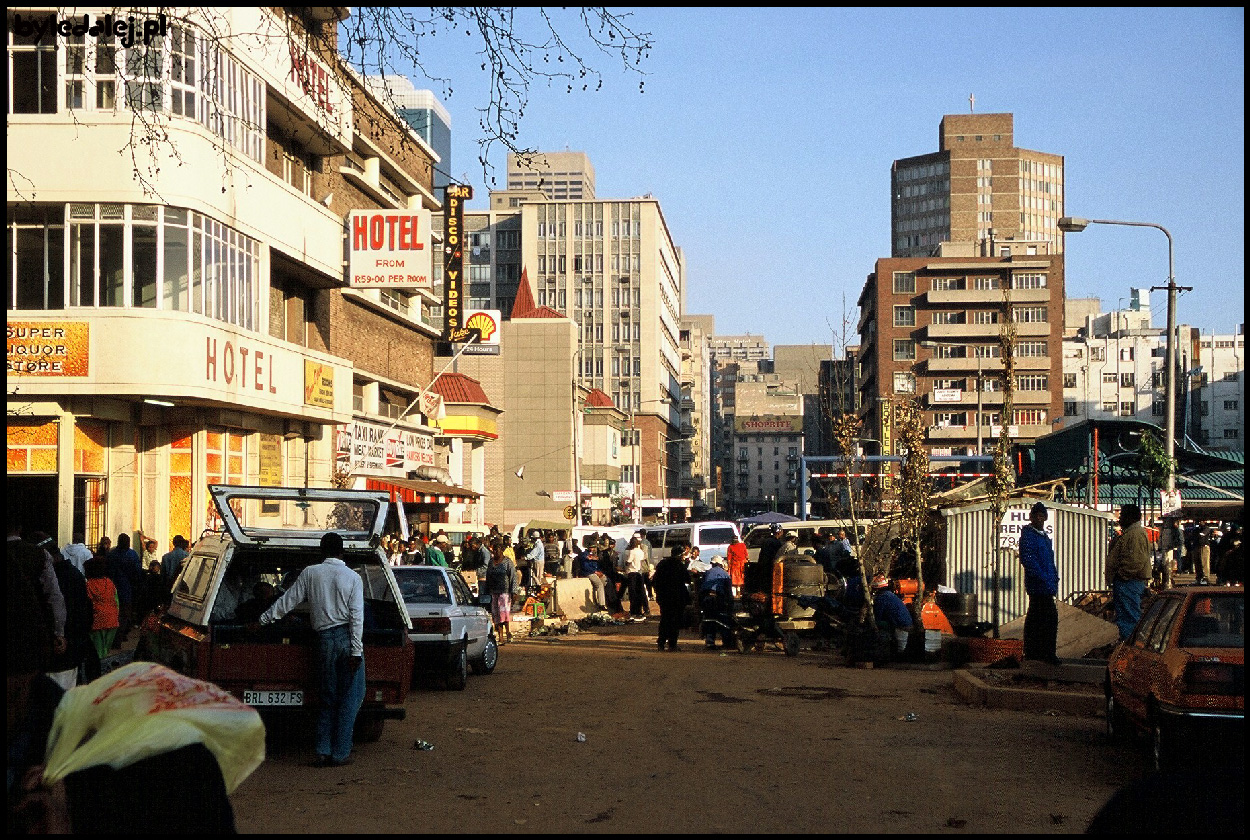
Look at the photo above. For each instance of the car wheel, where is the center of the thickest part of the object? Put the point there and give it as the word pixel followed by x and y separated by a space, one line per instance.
pixel 458 676
pixel 485 663
pixel 368 728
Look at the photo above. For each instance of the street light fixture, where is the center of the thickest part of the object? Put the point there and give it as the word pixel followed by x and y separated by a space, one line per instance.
pixel 1074 224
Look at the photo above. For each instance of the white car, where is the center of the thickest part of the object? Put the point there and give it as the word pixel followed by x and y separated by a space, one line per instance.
pixel 451 632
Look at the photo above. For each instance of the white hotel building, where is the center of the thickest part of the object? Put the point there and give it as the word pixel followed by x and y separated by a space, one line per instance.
pixel 177 307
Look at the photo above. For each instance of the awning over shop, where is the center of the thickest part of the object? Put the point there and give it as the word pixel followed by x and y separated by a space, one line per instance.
pixel 421 492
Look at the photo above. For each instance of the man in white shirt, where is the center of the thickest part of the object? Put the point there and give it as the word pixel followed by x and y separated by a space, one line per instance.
pixel 76 552
pixel 336 600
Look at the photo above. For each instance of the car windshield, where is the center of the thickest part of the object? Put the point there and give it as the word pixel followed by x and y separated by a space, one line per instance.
pixel 1215 621
pixel 422 586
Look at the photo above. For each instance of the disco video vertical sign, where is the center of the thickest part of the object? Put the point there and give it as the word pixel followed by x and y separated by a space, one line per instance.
pixel 454 197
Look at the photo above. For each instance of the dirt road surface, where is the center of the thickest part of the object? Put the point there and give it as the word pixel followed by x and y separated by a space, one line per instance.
pixel 694 741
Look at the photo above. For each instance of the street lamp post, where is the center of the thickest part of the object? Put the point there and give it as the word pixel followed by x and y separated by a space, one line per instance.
pixel 1073 224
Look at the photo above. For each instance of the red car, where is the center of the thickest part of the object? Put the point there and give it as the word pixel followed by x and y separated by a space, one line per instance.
pixel 1180 676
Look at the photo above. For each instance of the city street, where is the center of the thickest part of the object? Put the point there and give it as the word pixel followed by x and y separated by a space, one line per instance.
pixel 695 741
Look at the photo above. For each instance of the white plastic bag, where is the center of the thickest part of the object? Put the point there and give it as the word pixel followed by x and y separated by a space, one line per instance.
pixel 145 709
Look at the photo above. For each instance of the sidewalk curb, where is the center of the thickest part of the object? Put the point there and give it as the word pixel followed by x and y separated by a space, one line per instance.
pixel 976 692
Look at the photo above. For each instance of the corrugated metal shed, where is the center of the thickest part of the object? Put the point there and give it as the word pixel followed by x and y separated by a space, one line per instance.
pixel 1081 537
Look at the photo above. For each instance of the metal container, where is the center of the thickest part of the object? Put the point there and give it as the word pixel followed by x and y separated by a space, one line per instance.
pixel 1080 540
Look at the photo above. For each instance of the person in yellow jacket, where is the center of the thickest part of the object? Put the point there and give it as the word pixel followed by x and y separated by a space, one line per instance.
pixel 1129 569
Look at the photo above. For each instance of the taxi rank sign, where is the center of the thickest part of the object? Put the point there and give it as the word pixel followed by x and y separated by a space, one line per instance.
pixel 454 197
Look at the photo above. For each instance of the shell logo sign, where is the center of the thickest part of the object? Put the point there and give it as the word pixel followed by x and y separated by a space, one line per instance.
pixel 485 322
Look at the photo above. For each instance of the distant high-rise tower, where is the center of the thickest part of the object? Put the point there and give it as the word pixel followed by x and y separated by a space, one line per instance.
pixel 978 188
pixel 558 175
pixel 424 114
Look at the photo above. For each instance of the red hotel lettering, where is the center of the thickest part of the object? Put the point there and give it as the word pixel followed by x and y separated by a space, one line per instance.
pixel 392 232
pixel 312 78
pixel 227 359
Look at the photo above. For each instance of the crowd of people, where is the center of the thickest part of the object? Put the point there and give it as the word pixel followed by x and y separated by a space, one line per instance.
pixel 94 598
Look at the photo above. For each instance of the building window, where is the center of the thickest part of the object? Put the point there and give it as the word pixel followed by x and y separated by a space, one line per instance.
pixel 1030 280
pixel 949 284
pixel 1127 409
pixel 904 282
pixel 1127 380
pixel 32 75
pixel 1109 407
pixel 949 317
pixel 904 349
pixel 1032 314
pixel 1098 354
pixel 904 382
pixel 984 317
pixel 904 316
pixel 1030 417
pixel 986 284
pixel 1032 349
pixel 950 351
pixel 1231 434
pixel 1069 408
pixel 1069 380
pixel 1126 354
pixel 1158 408
pixel 1109 379
pixel 140 256
pixel 1032 382
pixel 1230 405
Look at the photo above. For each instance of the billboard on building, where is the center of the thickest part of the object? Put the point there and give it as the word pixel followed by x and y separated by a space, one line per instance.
pixel 372 449
pixel 389 249
pixel 769 424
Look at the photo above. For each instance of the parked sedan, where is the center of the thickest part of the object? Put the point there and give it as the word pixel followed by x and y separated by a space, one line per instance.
pixel 451 632
pixel 1180 676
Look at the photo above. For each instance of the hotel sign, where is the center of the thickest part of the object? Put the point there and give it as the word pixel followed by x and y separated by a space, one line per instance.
pixel 389 249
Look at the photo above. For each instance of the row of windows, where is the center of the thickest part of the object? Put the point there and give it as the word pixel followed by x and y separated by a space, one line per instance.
pixel 905 282
pixel 182 75
pixel 132 255
pixel 931 170
pixel 1020 417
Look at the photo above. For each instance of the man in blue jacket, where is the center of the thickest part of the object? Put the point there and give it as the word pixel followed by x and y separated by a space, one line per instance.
pixel 1041 582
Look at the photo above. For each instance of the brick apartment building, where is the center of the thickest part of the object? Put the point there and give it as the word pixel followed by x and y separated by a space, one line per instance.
pixel 929 326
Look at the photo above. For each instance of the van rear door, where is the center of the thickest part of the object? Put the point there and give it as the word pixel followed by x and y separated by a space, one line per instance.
pixel 299 516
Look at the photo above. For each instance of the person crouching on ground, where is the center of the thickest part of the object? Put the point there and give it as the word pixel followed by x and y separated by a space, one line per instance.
pixel 716 602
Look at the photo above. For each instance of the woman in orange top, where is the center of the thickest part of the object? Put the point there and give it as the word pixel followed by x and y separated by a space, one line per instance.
pixel 736 554
pixel 103 595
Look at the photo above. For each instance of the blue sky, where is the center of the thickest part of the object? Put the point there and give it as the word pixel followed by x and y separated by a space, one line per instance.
pixel 768 134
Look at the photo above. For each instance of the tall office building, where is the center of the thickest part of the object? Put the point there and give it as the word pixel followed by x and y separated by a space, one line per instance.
pixel 978 188
pixel 557 175
pixel 424 114
pixel 610 265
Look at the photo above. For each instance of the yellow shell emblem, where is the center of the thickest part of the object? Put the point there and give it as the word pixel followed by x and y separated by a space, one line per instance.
pixel 484 324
